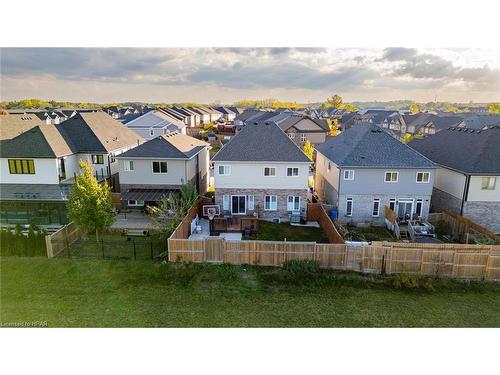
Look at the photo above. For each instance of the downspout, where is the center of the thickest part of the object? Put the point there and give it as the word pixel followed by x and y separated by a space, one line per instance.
pixel 465 194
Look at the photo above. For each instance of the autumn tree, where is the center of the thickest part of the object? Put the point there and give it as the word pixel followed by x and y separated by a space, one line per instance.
pixel 3 112
pixel 494 108
pixel 333 125
pixel 308 149
pixel 90 205
pixel 415 108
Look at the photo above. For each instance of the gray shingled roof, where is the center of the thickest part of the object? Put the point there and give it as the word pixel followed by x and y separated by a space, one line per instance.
pixel 97 132
pixel 475 152
pixel 263 141
pixel 369 146
pixel 167 146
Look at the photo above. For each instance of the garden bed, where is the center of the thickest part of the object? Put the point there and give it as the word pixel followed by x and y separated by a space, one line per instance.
pixel 269 231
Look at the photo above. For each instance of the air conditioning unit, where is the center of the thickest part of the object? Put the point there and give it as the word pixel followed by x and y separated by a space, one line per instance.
pixel 277 220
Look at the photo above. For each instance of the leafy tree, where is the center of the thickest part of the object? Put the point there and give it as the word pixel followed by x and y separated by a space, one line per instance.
pixel 415 108
pixel 89 203
pixel 494 108
pixel 309 149
pixel 172 209
pixel 335 101
pixel 334 127
pixel 349 107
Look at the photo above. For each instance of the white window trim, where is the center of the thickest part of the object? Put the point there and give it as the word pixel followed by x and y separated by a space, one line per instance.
pixel 292 209
pixel 378 207
pixel 348 172
pixel 136 204
pixel 292 168
pixel 270 203
pixel 421 201
pixel 224 168
pixel 231 205
pixel 303 137
pixel 391 182
pixel 158 161
pixel 226 204
pixel 487 185
pixel 349 199
pixel 393 200
pixel 275 171
pixel 126 166
pixel 250 203
pixel 423 174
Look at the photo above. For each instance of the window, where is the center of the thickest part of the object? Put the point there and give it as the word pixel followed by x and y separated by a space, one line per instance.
pixel 225 202
pixel 392 204
pixel 291 135
pixel 112 158
pixel 418 208
pixel 224 170
pixel 128 165
pixel 488 183
pixel 292 172
pixel 269 171
pixel 132 202
pixel 21 166
pixel 293 203
pixel 348 209
pixel 97 159
pixel 303 137
pixel 391 176
pixel 159 167
pixel 349 174
pixel 250 202
pixel 423 177
pixel 151 132
pixel 270 203
pixel 376 207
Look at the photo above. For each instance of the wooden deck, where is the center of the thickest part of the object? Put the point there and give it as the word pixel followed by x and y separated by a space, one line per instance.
pixel 236 224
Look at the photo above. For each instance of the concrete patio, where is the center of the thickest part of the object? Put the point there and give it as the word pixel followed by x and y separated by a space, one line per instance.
pixel 132 220
pixel 205 232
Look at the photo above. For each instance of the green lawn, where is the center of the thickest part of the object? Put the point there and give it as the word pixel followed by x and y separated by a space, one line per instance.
pixel 96 293
pixel 370 233
pixel 269 231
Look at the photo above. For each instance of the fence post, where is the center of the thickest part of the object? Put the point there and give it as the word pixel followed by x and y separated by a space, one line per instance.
pixel 102 247
pixel 135 254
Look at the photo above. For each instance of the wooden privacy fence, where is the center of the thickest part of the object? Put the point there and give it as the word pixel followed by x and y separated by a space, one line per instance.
pixel 316 212
pixel 183 229
pixel 62 239
pixel 463 261
pixel 460 226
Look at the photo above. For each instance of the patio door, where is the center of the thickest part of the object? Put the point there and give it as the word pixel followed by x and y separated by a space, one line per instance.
pixel 405 209
pixel 238 205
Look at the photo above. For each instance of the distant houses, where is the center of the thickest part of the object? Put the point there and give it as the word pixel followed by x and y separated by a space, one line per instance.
pixel 155 123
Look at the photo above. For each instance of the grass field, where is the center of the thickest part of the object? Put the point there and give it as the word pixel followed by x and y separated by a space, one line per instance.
pixel 269 231
pixel 96 293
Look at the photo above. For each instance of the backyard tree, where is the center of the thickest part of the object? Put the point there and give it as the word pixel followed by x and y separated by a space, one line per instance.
pixel 89 204
pixel 333 125
pixel 309 149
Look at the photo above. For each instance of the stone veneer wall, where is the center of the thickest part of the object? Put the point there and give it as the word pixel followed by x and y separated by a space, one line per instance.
pixel 486 214
pixel 259 194
pixel 363 208
pixel 442 200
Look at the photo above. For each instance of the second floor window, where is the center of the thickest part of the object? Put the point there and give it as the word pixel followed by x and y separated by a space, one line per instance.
pixel 292 172
pixel 349 174
pixel 224 170
pixel 21 166
pixel 303 137
pixel 159 167
pixel 128 165
pixel 423 177
pixel 97 159
pixel 488 183
pixel 391 176
pixel 269 171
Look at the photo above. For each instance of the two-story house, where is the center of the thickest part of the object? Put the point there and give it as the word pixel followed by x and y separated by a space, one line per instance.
pixel 261 170
pixel 162 164
pixel 364 169
pixel 155 123
pixel 301 129
pixel 468 178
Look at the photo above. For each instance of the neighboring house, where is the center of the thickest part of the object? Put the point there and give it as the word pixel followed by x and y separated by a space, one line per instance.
pixel 364 169
pixel 261 170
pixel 227 114
pixel 468 180
pixel 155 123
pixel 301 129
pixel 14 124
pixel 189 118
pixel 163 164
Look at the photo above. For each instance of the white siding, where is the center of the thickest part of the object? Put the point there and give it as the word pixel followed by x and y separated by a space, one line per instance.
pixel 46 172
pixel 477 194
pixel 450 182
pixel 143 173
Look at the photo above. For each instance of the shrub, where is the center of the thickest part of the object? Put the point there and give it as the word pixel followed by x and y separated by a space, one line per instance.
pixel 442 228
pixel 297 266
pixel 405 281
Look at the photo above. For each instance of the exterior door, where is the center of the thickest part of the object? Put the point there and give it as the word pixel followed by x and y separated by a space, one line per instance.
pixel 238 205
pixel 405 210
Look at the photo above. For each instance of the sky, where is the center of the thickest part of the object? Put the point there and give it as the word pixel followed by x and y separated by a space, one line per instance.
pixel 226 75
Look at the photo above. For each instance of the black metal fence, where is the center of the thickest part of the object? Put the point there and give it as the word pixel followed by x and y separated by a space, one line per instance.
pixel 126 248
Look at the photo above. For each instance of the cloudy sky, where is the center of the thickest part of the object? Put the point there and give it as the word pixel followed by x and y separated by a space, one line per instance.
pixel 228 74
